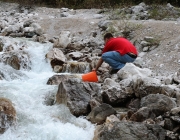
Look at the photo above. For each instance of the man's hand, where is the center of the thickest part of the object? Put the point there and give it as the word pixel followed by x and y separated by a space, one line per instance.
pixel 98 64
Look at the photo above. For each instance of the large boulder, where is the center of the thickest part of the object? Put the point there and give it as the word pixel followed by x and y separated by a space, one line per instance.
pixel 129 131
pixel 56 57
pixel 56 53
pixel 130 71
pixel 7 114
pixel 158 103
pixel 78 95
pixel 117 94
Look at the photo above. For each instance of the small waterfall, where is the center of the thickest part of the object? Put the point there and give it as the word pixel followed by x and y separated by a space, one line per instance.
pixel 27 89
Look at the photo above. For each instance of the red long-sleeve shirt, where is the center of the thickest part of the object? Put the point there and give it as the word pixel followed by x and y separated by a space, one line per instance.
pixel 121 45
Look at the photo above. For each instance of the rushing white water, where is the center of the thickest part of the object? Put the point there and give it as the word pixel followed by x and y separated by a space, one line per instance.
pixel 27 90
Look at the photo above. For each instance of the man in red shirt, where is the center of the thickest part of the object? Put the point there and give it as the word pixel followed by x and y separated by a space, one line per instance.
pixel 117 52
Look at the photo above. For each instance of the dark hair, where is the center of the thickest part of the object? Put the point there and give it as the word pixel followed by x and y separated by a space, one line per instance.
pixel 108 36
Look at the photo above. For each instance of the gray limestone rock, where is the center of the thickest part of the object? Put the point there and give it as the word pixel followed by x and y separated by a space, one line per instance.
pixel 129 131
pixel 98 114
pixel 158 103
pixel 77 95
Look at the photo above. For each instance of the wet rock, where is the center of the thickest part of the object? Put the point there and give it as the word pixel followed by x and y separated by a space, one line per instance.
pixel 76 67
pixel 14 62
pixel 49 100
pixel 76 95
pixel 9 73
pixel 57 68
pixel 56 56
pixel 16 59
pixel 57 65
pixel 158 103
pixel 7 114
pixel 98 114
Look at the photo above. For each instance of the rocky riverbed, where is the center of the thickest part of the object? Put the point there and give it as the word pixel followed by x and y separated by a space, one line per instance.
pixel 141 101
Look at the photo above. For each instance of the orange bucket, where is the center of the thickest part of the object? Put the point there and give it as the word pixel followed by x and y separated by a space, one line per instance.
pixel 90 77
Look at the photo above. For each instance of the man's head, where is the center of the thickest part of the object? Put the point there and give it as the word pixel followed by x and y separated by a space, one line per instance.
pixel 107 36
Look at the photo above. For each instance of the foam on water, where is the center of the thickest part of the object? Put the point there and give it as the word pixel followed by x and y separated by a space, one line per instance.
pixel 35 120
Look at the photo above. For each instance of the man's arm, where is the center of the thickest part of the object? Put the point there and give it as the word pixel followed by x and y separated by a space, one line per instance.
pixel 98 64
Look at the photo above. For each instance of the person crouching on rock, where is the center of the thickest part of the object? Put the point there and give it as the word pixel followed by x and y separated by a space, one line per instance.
pixel 117 52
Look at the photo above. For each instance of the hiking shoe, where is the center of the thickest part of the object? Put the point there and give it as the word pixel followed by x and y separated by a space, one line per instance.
pixel 113 71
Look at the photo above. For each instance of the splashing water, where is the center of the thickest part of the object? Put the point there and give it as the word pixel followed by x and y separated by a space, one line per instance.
pixel 27 91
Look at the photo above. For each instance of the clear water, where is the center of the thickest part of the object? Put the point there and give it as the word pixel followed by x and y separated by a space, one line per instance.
pixel 27 90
